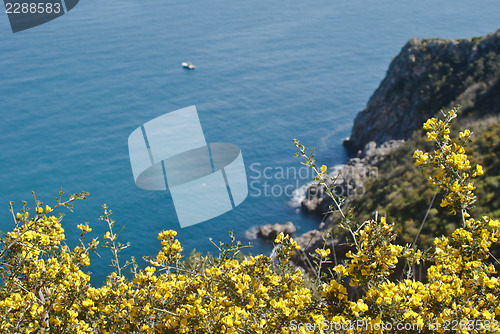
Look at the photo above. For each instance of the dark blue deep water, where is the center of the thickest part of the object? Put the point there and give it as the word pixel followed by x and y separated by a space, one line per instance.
pixel 72 90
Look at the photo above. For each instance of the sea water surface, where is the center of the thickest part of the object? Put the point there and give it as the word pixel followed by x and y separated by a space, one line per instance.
pixel 72 91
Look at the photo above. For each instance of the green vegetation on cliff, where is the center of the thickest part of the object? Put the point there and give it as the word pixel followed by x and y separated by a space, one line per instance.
pixel 403 193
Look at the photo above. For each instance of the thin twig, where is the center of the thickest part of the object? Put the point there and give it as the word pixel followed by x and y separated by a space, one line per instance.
pixel 167 312
pixel 420 229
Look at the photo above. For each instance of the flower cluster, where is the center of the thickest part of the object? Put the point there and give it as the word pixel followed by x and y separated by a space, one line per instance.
pixel 39 276
pixel 454 168
pixel 45 287
pixel 171 249
pixel 286 247
pixel 376 256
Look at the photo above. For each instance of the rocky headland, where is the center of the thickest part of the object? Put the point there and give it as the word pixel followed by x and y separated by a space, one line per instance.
pixel 426 76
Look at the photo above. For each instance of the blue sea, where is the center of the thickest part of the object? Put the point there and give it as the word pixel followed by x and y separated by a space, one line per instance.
pixel 72 91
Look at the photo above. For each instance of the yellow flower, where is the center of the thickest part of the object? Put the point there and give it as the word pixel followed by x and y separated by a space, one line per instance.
pixel 323 168
pixel 494 223
pixel 340 269
pixel 323 252
pixel 430 123
pixel 84 228
pixel 279 238
pixel 479 170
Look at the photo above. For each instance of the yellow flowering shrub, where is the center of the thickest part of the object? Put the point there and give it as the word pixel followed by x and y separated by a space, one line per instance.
pixel 45 287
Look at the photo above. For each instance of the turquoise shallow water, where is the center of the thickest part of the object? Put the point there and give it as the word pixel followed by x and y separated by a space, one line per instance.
pixel 72 90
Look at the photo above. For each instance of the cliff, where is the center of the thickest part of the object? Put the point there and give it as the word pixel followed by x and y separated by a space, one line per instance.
pixel 426 76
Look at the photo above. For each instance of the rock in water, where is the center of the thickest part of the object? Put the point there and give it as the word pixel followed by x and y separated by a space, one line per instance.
pixel 271 231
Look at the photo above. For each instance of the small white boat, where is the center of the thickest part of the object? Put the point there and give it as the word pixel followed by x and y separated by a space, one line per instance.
pixel 188 65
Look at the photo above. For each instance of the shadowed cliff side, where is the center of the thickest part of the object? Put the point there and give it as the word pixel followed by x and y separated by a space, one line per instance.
pixel 426 76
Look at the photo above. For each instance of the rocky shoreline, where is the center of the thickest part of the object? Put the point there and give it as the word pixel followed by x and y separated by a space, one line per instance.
pixel 351 177
pixel 349 183
pixel 426 76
